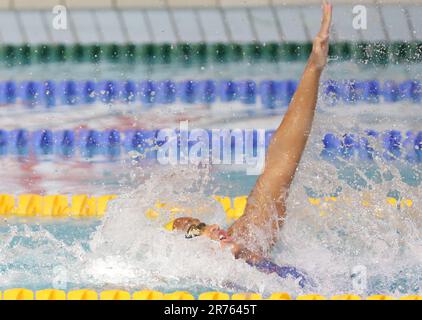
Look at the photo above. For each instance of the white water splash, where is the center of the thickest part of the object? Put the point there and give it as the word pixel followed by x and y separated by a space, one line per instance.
pixel 131 252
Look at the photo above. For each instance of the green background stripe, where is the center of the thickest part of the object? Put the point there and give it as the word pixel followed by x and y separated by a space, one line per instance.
pixel 165 53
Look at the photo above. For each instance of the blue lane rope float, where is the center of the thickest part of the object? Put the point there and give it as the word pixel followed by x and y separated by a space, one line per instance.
pixel 89 143
pixel 395 145
pixel 112 143
pixel 270 93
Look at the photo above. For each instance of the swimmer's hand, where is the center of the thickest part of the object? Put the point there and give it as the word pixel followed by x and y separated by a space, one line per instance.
pixel 318 57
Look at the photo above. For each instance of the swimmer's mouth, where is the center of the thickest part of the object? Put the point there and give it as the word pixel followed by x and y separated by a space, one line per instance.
pixel 222 235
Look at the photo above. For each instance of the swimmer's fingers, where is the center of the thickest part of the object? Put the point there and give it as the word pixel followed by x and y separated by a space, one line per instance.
pixel 321 39
pixel 327 11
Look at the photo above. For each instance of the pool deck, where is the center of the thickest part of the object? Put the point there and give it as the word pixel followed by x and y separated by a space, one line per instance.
pixel 209 21
pixel 47 4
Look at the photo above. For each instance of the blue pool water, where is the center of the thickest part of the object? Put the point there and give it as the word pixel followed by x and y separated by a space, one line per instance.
pixel 126 250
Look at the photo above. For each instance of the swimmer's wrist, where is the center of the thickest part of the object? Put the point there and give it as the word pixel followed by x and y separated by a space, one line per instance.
pixel 312 67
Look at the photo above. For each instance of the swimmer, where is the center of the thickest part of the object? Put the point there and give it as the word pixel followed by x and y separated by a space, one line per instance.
pixel 251 237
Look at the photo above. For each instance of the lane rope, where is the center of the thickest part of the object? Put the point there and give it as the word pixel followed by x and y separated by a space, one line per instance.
pixel 185 54
pixel 85 206
pixel 113 144
pixel 269 94
pixel 88 294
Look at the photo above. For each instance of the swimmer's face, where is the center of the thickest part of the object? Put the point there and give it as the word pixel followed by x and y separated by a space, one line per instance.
pixel 193 227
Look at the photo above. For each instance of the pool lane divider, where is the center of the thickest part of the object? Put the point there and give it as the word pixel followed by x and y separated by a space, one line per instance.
pixel 396 145
pixel 34 205
pixel 85 206
pixel 269 94
pixel 88 294
pixel 140 144
pixel 191 54
pixel 235 207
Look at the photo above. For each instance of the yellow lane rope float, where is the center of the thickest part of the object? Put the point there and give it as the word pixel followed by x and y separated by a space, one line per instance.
pixel 234 207
pixel 33 205
pixel 82 205
pixel 326 204
pixel 88 294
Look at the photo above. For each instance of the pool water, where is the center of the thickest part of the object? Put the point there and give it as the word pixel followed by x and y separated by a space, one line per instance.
pixel 126 250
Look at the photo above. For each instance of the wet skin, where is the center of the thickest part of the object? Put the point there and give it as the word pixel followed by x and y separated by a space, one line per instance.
pixel 215 233
pixel 265 208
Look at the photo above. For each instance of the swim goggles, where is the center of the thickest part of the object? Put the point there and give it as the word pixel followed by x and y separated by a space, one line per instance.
pixel 195 230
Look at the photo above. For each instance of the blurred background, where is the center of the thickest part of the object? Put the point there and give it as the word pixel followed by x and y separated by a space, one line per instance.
pixel 198 34
pixel 90 81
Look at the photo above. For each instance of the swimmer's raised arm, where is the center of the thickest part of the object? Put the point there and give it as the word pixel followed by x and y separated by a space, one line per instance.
pixel 266 204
